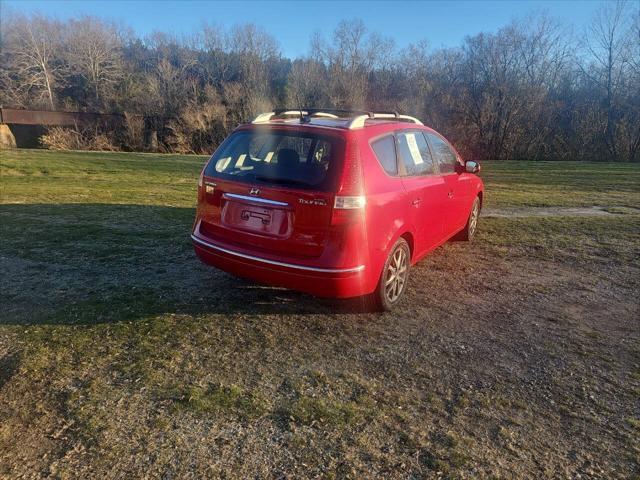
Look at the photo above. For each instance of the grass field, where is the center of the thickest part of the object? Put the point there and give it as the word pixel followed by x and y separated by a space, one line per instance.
pixel 122 356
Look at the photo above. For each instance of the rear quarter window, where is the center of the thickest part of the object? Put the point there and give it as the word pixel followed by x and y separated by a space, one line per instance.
pixel 385 151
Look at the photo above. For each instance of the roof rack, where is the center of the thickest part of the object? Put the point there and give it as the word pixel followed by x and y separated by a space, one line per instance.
pixel 357 118
pixel 359 121
pixel 266 117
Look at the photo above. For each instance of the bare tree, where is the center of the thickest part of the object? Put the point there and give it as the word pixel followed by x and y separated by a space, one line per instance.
pixel 201 125
pixel 503 85
pixel 167 88
pixel 252 48
pixel 610 43
pixel 94 52
pixel 32 52
pixel 251 40
pixel 306 84
pixel 350 58
pixel 529 90
pixel 215 61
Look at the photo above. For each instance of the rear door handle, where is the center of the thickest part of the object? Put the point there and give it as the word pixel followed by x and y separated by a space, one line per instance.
pixel 416 202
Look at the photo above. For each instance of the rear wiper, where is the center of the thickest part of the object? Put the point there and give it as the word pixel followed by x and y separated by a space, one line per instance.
pixel 263 178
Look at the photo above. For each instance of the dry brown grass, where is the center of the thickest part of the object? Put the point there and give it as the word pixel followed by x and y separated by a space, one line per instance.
pixel 65 138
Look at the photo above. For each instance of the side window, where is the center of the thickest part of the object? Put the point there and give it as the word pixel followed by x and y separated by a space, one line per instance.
pixel 385 150
pixel 415 153
pixel 444 155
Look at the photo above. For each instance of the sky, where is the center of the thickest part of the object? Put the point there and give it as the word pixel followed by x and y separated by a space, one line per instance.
pixel 292 22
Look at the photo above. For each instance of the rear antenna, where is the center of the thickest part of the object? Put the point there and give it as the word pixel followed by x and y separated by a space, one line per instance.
pixel 302 119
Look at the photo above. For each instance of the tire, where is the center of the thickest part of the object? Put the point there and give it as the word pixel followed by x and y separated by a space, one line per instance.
pixel 471 227
pixel 391 290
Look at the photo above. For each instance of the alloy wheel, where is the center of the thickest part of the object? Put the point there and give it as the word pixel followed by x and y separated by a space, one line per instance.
pixel 473 219
pixel 396 275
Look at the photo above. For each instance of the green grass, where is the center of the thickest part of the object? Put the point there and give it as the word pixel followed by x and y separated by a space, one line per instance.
pixel 112 333
pixel 216 399
pixel 40 176
pixel 566 238
pixel 332 413
pixel 561 184
pixel 108 232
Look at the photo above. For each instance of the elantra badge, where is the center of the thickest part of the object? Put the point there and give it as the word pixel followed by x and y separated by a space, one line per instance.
pixel 313 201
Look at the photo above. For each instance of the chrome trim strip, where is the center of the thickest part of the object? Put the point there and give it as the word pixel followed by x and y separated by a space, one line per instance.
pixel 254 199
pixel 359 268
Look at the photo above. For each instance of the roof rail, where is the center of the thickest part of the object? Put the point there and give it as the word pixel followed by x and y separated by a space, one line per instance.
pixel 357 117
pixel 359 121
pixel 266 117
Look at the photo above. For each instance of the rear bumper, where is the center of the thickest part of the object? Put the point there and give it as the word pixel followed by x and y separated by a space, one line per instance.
pixel 324 282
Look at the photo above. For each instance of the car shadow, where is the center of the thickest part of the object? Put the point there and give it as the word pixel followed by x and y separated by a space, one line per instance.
pixel 94 263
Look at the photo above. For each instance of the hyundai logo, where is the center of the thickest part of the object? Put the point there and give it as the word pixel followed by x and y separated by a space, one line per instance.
pixel 254 191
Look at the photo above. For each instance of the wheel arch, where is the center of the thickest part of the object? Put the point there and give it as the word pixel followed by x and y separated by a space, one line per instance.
pixel 408 236
pixel 403 231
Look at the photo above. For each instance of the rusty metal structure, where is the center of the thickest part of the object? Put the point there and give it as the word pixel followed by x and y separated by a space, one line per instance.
pixel 28 125
pixel 43 117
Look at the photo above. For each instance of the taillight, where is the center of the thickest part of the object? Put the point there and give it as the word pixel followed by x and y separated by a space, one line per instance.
pixel 351 183
pixel 201 182
pixel 348 209
pixel 350 201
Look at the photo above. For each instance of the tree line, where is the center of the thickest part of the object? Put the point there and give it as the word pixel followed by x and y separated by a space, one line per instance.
pixel 534 89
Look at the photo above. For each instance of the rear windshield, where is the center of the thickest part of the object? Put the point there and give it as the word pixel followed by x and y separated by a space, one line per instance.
pixel 295 159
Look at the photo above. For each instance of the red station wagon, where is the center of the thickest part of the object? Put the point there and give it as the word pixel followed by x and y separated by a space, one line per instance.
pixel 333 203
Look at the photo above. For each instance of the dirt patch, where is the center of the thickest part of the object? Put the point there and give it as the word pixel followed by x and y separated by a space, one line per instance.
pixel 596 210
pixel 492 363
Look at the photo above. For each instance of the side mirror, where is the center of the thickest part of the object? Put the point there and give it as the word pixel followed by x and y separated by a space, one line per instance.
pixel 471 167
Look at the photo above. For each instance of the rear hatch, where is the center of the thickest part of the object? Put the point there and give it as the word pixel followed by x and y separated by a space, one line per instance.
pixel 272 191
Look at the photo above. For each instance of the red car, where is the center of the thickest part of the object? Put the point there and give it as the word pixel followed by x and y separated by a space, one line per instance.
pixel 333 203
